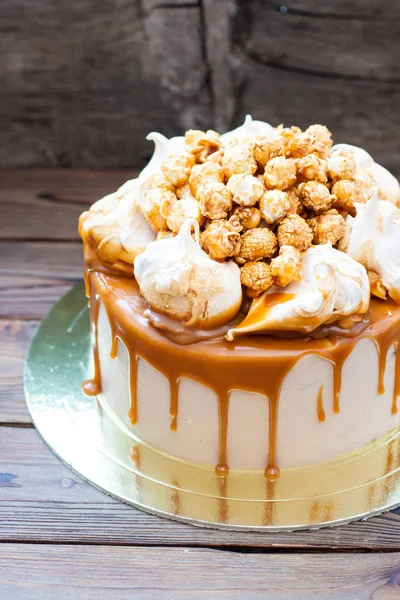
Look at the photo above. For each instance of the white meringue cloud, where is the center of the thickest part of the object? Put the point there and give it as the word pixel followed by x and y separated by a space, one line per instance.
pixel 179 279
pixel 372 238
pixel 333 286
pixel 388 186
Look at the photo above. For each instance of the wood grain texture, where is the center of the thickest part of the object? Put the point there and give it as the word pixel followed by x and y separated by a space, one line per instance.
pixel 34 275
pixel 45 204
pixel 30 571
pixel 84 82
pixel 41 500
pixel 15 337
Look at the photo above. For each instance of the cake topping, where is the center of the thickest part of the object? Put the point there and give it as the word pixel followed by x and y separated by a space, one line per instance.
pixel 261 197
pixel 178 279
pixel 373 239
pixel 332 286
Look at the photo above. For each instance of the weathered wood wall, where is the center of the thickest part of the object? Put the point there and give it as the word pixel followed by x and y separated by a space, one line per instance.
pixel 82 82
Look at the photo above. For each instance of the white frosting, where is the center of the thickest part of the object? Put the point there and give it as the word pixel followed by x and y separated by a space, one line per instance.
pixel 388 186
pixel 333 286
pixel 372 238
pixel 179 279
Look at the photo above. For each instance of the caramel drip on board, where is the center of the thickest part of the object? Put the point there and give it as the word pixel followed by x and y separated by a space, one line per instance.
pixel 173 406
pixel 254 363
pixel 92 387
pixel 320 405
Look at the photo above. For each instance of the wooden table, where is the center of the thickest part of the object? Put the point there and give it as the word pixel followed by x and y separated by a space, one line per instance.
pixel 63 539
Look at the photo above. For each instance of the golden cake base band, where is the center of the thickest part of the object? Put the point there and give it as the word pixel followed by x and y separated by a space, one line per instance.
pixel 82 432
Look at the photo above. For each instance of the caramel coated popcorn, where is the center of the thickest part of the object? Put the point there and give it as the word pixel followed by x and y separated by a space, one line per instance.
pixel 246 189
pixel 238 159
pixel 328 227
pixel 256 244
pixel 248 217
pixel 202 144
pixel 215 200
pixel 256 277
pixel 315 196
pixel 294 231
pixel 221 238
pixel 376 285
pixel 287 266
pixel 177 167
pixel 259 200
pixel 280 173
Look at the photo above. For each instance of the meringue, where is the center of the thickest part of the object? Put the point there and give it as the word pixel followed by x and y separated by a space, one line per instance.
pixel 372 238
pixel 177 278
pixel 388 186
pixel 333 286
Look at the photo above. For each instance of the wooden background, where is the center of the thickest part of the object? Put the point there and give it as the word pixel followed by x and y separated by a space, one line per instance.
pixel 82 82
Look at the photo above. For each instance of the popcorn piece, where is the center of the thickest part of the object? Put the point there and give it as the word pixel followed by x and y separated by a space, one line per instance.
pixel 249 217
pixel 345 196
pixel 155 200
pixel 181 211
pixel 274 205
pixel 256 276
pixel 365 185
pixel 314 140
pixel 238 159
pixel 202 144
pixel 183 192
pixel 205 173
pixel 215 200
pixel 246 189
pixel 296 206
pixel 280 173
pixel 376 285
pixel 268 147
pixel 341 165
pixel 177 167
pixel 257 244
pixel 294 231
pixel 221 238
pixel 315 196
pixel 328 227
pixel 312 168
pixel 287 266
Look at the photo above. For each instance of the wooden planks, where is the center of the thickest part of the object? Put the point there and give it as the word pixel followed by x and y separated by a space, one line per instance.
pixel 14 341
pixel 49 572
pixel 41 500
pixel 83 83
pixel 45 204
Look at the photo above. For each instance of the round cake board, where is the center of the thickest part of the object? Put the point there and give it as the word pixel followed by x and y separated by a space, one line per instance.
pixel 101 449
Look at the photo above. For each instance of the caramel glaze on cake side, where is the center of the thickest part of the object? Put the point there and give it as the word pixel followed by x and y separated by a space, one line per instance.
pixel 251 363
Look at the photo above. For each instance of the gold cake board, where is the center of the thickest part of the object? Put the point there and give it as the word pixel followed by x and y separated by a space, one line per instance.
pixel 100 449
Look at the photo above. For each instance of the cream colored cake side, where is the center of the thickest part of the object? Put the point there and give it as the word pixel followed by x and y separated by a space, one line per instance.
pixel 301 438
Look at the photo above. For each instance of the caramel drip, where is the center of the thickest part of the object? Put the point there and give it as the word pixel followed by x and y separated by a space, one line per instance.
pixel 269 516
pixel 114 346
pixel 272 470
pixel 223 404
pixel 320 405
pixel 223 505
pixel 173 407
pixel 133 360
pixel 254 363
pixel 92 387
pixel 176 502
pixel 396 392
pixel 382 366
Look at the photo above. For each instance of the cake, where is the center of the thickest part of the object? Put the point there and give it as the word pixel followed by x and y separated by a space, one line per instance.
pixel 244 297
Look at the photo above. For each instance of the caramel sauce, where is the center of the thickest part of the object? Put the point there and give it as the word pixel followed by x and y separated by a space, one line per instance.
pixel 320 405
pixel 254 363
